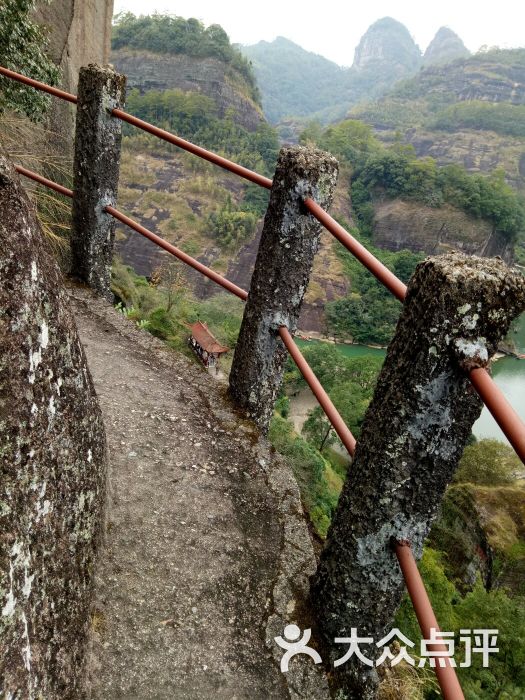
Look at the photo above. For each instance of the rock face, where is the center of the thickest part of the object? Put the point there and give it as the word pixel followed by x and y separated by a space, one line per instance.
pixel 53 465
pixel 446 46
pixel 79 33
pixel 497 76
pixel 387 43
pixel 209 76
pixel 402 225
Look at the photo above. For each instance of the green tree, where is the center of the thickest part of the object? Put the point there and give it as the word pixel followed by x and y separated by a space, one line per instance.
pixel 351 402
pixel 23 46
pixel 488 463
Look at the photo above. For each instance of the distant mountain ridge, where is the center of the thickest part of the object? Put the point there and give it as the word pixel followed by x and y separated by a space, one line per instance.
pixel 298 83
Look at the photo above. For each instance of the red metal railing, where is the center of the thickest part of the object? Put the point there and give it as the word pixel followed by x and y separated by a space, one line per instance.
pixel 504 414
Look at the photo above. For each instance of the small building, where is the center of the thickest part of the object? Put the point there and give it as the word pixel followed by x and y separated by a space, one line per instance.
pixel 204 345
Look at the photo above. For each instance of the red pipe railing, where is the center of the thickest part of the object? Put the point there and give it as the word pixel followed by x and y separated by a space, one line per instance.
pixel 365 257
pixel 240 170
pixel 446 675
pixel 38 85
pixel 320 394
pixel 44 181
pixel 506 417
pixel 180 254
pixel 504 414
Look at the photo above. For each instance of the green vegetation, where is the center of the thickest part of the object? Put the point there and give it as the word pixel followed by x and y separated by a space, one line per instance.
pixel 502 118
pixel 169 34
pixel 320 485
pixel 488 463
pixel 165 307
pixel 350 383
pixel 319 470
pixel 478 609
pixel 23 45
pixel 297 82
pixel 398 173
pixel 369 313
pixel 194 116
pixel 233 226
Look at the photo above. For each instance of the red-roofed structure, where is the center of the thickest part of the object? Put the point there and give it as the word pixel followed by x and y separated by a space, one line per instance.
pixel 205 345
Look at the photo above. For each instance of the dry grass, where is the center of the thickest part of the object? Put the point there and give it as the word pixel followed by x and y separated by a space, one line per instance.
pixel 404 682
pixel 36 147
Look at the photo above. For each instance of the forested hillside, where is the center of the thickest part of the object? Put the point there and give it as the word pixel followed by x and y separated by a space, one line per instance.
pixel 470 112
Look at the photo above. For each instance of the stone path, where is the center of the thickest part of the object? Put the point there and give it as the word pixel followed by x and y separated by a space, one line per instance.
pixel 207 554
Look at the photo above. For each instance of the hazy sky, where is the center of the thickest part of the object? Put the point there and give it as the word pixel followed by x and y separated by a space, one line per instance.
pixel 333 28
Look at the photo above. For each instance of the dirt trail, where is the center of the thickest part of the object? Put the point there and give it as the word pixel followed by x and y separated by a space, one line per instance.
pixel 207 554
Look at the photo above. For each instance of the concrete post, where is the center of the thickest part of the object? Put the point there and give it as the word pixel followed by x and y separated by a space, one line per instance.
pixel 289 241
pixel 457 310
pixel 52 462
pixel 96 171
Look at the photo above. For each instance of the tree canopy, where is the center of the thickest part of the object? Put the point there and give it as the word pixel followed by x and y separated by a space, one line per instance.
pixel 162 33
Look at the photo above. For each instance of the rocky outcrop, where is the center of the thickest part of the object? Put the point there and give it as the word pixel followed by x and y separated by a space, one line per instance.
pixel 446 46
pixel 387 43
pixel 497 76
pixel 53 466
pixel 79 34
pixel 209 76
pixel 402 225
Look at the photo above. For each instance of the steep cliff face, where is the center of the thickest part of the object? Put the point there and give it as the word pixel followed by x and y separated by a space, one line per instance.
pixel 497 76
pixel 388 44
pixel 445 47
pixel 400 225
pixel 79 33
pixel 209 76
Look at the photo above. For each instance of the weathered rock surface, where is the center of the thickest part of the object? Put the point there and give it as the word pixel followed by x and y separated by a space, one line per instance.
pixel 207 552
pixel 446 46
pixel 53 466
pixel 209 76
pixel 402 225
pixel 79 34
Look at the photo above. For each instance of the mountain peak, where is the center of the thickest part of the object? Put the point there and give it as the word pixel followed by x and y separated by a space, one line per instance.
pixel 446 46
pixel 388 42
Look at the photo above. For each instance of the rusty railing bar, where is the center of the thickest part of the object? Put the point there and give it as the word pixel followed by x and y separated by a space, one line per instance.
pixel 240 170
pixel 56 92
pixel 181 255
pixel 365 257
pixel 44 181
pixel 446 675
pixel 322 397
pixel 502 411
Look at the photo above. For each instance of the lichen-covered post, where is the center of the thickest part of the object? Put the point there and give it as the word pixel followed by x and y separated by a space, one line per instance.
pixel 52 466
pixel 456 311
pixel 96 172
pixel 289 241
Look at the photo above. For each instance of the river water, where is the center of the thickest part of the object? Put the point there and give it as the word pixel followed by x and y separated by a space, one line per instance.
pixel 508 373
